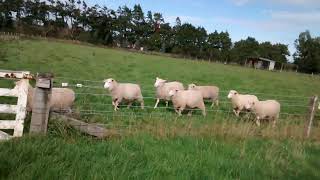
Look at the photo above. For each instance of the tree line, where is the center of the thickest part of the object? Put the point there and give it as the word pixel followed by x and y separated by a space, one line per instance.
pixel 131 28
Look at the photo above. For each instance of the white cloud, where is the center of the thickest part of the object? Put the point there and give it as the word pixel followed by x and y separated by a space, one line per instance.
pixel 240 2
pixel 306 3
pixel 298 18
pixel 278 21
pixel 298 2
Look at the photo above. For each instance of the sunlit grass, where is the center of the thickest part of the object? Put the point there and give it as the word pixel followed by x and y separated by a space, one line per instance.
pixel 157 144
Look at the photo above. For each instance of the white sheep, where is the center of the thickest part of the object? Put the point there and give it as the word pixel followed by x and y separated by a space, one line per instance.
pixel 187 98
pixel 268 109
pixel 61 99
pixel 123 91
pixel 208 92
pixel 162 90
pixel 239 101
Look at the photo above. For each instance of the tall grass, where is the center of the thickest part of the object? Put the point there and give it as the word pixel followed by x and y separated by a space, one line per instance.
pixel 157 144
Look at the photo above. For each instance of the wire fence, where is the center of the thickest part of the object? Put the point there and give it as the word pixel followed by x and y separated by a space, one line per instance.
pixel 150 88
pixel 94 99
pixel 93 105
pixel 82 94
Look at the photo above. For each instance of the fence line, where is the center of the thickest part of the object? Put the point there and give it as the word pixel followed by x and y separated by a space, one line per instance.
pixel 220 102
pixel 153 89
pixel 119 113
pixel 171 108
pixel 149 97
pixel 159 114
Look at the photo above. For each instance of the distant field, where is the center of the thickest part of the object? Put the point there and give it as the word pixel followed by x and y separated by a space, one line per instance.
pixel 157 143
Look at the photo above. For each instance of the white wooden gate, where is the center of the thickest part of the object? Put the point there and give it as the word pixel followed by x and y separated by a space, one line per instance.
pixel 20 91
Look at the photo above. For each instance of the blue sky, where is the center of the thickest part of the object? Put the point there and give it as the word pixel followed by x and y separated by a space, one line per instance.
pixel 266 20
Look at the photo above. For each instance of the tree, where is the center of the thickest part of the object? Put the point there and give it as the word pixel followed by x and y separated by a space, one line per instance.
pixel 139 24
pixel 225 46
pixel 178 22
pixel 307 56
pixel 245 48
pixel 6 17
pixel 123 27
pixel 187 40
pixel 133 28
pixel 276 52
pixel 201 41
pixel 219 45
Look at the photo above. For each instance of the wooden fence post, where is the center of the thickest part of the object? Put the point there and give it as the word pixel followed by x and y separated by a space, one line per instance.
pixel 310 117
pixel 41 106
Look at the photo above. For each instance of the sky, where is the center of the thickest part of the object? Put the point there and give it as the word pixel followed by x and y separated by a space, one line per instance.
pixel 277 21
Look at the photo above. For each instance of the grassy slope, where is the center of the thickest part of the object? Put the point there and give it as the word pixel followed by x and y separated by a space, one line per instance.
pixel 145 156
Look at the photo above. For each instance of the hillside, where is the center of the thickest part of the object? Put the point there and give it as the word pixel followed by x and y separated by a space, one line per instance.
pixel 157 143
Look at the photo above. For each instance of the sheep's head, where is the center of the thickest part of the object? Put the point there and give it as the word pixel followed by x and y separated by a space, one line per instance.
pixel 192 86
pixel 173 92
pixel 109 83
pixel 159 82
pixel 249 105
pixel 232 93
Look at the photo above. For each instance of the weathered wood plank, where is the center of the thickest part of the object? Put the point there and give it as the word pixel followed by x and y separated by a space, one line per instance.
pixel 21 107
pixel 7 108
pixel 4 136
pixel 8 124
pixel 41 106
pixel 14 74
pixel 91 129
pixel 8 92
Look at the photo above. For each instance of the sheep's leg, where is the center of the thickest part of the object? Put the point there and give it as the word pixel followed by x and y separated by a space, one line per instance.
pixel 236 111
pixel 258 121
pixel 204 112
pixel 180 110
pixel 212 103
pixel 190 112
pixel 69 110
pixel 156 105
pixel 176 109
pixel 167 103
pixel 142 103
pixel 129 104
pixel 217 102
pixel 274 122
pixel 203 108
pixel 116 104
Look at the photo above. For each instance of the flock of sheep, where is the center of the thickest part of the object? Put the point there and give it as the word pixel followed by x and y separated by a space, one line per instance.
pixel 192 98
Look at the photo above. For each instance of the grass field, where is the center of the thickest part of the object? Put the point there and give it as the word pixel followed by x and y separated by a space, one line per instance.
pixel 157 143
